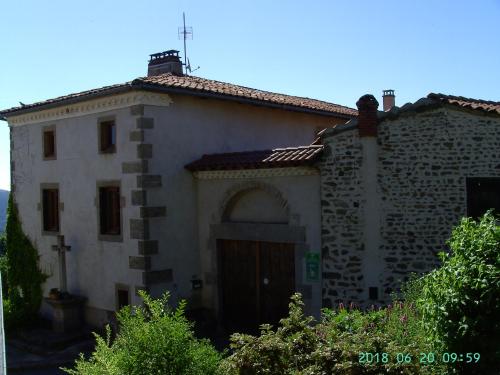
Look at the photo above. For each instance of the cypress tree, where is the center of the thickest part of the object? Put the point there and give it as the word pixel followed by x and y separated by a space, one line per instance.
pixel 24 278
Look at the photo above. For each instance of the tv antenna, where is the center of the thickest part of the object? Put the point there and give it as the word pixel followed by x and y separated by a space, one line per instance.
pixel 186 32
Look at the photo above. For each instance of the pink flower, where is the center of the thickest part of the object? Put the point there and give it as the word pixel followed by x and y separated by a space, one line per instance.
pixel 341 306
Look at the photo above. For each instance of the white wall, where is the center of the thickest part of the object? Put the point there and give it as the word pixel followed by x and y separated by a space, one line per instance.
pixel 183 132
pixel 93 266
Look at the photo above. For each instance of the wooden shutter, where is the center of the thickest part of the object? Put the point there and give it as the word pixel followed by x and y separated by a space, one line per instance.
pixel 109 198
pixel 48 143
pixel 50 202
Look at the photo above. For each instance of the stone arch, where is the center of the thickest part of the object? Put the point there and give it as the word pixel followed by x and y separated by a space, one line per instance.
pixel 242 195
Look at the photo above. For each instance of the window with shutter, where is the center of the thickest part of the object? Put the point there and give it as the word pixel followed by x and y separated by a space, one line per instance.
pixel 50 203
pixel 49 144
pixel 107 136
pixel 109 210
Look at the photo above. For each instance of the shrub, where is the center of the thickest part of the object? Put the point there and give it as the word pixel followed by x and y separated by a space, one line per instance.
pixel 460 301
pixel 284 351
pixel 153 339
pixel 24 278
pixel 333 346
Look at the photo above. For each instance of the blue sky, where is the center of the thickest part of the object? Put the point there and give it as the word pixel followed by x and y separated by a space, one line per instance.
pixel 330 50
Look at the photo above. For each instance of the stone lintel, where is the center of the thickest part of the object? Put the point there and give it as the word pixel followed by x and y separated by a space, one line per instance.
pixel 155 277
pixel 144 151
pixel 149 181
pixel 148 247
pixel 145 123
pixel 153 211
pixel 139 229
pixel 140 166
pixel 139 263
pixel 138 197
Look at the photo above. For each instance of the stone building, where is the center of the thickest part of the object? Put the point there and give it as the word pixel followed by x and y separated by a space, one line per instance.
pixel 106 169
pixel 394 184
pixel 227 197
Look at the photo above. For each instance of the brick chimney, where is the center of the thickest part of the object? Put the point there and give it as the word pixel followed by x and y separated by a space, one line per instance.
pixel 165 62
pixel 367 116
pixel 389 99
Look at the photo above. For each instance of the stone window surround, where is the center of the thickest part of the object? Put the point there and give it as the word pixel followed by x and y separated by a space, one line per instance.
pixel 48 128
pixel 44 186
pixel 109 237
pixel 281 233
pixel 100 120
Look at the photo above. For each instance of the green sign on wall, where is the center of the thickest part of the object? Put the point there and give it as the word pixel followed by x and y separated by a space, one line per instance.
pixel 312 266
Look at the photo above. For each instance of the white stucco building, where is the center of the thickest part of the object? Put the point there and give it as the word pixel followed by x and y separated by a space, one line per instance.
pixel 106 168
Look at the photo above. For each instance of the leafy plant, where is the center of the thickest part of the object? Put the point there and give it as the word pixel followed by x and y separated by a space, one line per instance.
pixel 333 346
pixel 153 339
pixel 460 301
pixel 24 278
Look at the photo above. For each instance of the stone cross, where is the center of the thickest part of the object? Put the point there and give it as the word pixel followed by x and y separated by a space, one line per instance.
pixel 61 249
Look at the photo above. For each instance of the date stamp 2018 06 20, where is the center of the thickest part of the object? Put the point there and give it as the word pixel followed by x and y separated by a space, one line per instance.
pixel 423 358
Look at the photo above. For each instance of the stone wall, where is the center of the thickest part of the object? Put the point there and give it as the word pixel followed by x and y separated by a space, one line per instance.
pixel 341 205
pixel 424 159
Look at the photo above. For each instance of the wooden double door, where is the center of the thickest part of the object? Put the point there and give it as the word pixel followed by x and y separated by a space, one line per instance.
pixel 256 281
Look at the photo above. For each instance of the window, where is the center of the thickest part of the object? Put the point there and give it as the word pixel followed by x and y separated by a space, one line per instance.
pixel 109 210
pixel 50 203
pixel 122 297
pixel 482 195
pixel 107 136
pixel 49 144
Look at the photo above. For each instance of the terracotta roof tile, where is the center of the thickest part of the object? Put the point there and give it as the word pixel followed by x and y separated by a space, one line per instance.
pixel 198 86
pixel 484 105
pixel 277 158
pixel 212 86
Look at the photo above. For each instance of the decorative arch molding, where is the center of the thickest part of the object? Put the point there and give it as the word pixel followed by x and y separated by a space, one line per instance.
pixel 233 193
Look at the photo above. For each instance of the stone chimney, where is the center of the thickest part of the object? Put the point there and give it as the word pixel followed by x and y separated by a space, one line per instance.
pixel 367 116
pixel 165 62
pixel 389 99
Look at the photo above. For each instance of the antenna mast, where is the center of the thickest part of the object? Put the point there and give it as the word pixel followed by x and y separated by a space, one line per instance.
pixel 186 33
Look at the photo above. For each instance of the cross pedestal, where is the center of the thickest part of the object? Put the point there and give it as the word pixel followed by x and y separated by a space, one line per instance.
pixel 66 309
pixel 61 249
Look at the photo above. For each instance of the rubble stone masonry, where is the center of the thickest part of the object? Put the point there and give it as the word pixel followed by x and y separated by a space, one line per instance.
pixel 424 159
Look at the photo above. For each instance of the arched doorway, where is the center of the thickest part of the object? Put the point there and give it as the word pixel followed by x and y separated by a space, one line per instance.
pixel 256 272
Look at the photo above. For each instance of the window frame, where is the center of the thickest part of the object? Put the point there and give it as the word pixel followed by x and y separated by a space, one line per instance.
pixel 107 235
pixel 121 288
pixel 45 130
pixel 109 148
pixel 46 230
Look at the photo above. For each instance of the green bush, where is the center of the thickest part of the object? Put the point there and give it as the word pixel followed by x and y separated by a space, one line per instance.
pixel 23 277
pixel 460 301
pixel 333 346
pixel 151 340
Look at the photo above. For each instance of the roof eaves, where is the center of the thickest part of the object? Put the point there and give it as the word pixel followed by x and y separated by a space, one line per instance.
pixel 42 106
pixel 222 96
